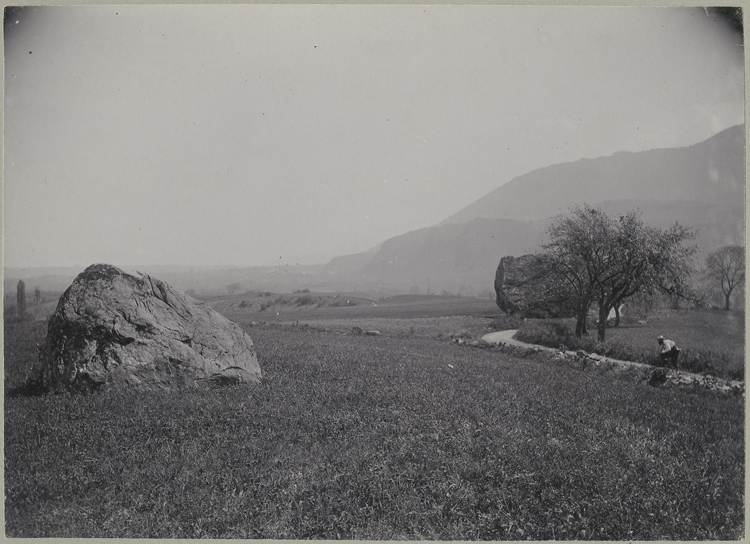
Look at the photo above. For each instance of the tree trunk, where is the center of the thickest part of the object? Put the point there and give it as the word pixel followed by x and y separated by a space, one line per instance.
pixel 726 298
pixel 583 310
pixel 617 315
pixel 602 326
pixel 580 323
pixel 581 318
pixel 586 318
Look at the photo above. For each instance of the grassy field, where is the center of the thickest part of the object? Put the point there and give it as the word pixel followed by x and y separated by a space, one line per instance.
pixel 322 306
pixel 711 341
pixel 400 436
pixel 709 330
pixel 405 315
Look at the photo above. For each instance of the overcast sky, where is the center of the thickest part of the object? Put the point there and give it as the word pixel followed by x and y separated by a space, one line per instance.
pixel 262 134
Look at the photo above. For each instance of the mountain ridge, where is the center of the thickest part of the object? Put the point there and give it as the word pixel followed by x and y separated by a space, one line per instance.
pixel 719 160
pixel 700 186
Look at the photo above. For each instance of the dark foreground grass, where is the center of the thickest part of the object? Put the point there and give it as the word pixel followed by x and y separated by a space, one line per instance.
pixel 712 342
pixel 380 438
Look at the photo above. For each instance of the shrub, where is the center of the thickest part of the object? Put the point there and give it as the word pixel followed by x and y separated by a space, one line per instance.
pixel 504 322
pixel 303 300
pixel 549 332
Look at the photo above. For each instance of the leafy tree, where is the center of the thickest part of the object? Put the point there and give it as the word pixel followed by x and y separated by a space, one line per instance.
pixel 21 297
pixel 648 261
pixel 606 261
pixel 726 267
pixel 575 253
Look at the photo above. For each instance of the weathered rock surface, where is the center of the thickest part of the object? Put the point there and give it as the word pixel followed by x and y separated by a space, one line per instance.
pixel 529 286
pixel 115 330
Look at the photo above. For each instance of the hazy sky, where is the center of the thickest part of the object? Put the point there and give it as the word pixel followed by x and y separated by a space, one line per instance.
pixel 262 134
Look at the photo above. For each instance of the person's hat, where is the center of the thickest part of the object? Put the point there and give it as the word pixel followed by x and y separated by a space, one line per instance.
pixel 660 337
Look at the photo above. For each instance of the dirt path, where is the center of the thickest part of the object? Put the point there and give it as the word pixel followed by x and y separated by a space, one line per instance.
pixel 506 337
pixel 677 376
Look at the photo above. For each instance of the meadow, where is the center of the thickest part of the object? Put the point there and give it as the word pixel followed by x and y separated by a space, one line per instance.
pixel 400 436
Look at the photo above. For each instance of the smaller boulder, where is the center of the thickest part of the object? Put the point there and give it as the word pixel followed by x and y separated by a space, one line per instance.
pixel 530 286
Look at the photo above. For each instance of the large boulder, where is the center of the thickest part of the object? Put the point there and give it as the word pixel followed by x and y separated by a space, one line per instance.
pixel 116 330
pixel 530 286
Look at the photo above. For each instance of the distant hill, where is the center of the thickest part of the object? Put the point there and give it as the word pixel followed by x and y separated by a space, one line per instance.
pixel 452 258
pixel 701 186
pixel 349 264
pixel 709 172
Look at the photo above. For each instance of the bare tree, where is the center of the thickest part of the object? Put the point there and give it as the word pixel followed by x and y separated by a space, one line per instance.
pixel 37 296
pixel 726 267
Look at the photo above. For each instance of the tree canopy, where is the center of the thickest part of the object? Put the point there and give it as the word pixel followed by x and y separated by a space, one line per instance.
pixel 606 260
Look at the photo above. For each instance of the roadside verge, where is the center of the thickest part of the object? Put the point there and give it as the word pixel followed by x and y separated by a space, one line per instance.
pixel 657 375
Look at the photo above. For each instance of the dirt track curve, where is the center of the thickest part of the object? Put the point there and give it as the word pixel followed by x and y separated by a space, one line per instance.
pixel 506 337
